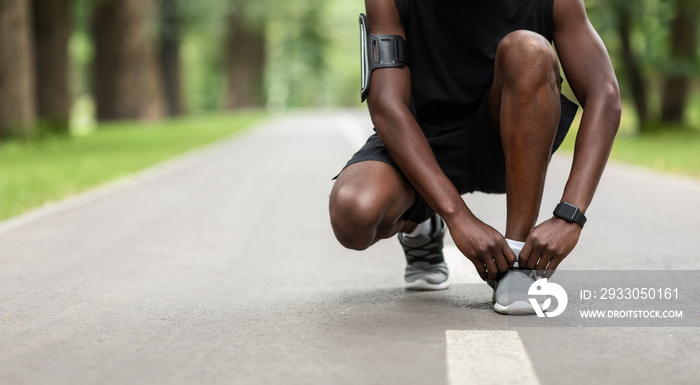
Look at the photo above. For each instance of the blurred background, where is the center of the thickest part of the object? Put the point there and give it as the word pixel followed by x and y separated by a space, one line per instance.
pixel 63 61
pixel 68 67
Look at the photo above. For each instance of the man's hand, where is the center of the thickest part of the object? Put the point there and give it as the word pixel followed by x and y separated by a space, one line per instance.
pixel 485 247
pixel 548 244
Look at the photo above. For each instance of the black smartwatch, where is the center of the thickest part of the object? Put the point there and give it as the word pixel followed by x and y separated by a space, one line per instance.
pixel 570 213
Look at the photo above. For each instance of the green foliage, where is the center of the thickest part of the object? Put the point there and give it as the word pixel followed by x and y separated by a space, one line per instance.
pixel 296 62
pixel 80 54
pixel 662 147
pixel 313 50
pixel 343 80
pixel 313 53
pixel 651 44
pixel 203 78
pixel 650 34
pixel 38 172
pixel 203 32
pixel 671 149
pixel 80 48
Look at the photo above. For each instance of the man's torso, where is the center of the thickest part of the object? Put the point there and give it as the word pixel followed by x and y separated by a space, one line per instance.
pixel 452 47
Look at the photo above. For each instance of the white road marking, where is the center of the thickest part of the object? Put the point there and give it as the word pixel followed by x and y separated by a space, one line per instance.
pixel 461 269
pixel 488 357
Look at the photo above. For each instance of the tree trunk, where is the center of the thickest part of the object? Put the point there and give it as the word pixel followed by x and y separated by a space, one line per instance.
pixel 126 76
pixel 52 26
pixel 683 52
pixel 631 65
pixel 17 106
pixel 170 57
pixel 245 62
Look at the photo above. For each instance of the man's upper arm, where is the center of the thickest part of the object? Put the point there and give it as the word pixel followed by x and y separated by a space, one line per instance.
pixel 583 55
pixel 388 86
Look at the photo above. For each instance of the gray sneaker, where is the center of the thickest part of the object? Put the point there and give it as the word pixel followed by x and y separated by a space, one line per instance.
pixel 425 264
pixel 510 293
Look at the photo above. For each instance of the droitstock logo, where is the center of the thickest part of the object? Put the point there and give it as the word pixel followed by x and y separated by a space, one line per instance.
pixel 543 288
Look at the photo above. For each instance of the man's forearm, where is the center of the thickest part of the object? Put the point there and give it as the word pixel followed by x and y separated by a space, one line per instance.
pixel 599 124
pixel 410 149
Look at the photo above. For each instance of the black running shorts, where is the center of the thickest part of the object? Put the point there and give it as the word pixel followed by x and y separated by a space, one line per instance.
pixel 471 156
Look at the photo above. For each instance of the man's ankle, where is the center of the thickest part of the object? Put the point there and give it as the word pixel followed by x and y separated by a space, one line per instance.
pixel 516 246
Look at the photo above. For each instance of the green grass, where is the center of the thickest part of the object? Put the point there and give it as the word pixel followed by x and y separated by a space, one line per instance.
pixel 37 172
pixel 669 149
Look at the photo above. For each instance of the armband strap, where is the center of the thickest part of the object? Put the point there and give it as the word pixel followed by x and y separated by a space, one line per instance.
pixel 379 51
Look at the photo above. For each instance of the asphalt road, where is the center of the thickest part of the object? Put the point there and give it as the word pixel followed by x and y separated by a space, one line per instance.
pixel 221 268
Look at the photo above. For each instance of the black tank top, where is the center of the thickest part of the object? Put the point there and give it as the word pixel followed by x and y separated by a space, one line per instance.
pixel 452 48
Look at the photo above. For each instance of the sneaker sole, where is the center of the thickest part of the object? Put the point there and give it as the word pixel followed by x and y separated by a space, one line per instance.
pixel 516 308
pixel 422 285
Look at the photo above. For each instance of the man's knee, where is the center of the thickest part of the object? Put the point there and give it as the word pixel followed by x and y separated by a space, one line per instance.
pixel 354 214
pixel 528 58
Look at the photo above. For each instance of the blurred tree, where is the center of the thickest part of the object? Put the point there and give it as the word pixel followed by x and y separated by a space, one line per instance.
pixel 298 67
pixel 203 34
pixel 52 28
pixel 126 75
pixel 306 53
pixel 657 43
pixel 244 61
pixel 170 56
pixel 683 56
pixel 340 23
pixel 17 103
pixel 630 60
pixel 80 49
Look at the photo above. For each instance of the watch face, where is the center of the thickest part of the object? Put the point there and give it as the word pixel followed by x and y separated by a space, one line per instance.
pixel 567 211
